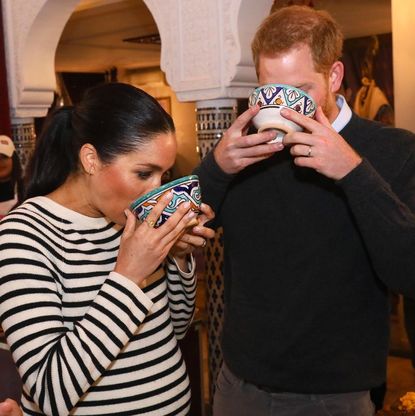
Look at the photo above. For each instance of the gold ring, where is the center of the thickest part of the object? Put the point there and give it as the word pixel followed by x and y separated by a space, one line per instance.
pixel 309 151
pixel 204 244
pixel 150 223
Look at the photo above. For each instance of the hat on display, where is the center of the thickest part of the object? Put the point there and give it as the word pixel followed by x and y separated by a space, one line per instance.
pixel 6 146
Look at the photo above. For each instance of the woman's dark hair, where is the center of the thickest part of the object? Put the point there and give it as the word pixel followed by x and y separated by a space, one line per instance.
pixel 115 118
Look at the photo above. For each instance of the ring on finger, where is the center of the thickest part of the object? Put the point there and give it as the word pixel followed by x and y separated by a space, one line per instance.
pixel 309 151
pixel 203 244
pixel 150 223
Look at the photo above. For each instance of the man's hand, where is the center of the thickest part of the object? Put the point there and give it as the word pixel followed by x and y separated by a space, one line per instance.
pixel 236 150
pixel 320 147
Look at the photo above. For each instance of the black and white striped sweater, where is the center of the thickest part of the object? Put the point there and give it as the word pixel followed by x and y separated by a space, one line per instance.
pixel 86 340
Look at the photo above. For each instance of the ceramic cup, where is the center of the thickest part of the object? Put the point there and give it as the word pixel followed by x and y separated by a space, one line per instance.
pixel 272 98
pixel 184 189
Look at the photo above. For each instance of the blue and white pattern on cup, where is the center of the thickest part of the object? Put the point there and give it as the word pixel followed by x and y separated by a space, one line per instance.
pixel 281 95
pixel 188 190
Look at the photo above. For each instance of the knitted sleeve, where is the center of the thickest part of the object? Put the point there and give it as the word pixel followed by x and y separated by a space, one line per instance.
pixel 385 213
pixel 181 290
pixel 214 184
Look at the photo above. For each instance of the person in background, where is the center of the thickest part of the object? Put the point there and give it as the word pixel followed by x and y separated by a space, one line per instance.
pixel 316 229
pixel 370 101
pixel 93 302
pixel 10 408
pixel 11 182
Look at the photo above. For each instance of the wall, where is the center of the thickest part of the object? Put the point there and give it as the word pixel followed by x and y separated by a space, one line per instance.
pixel 403 17
pixel 153 82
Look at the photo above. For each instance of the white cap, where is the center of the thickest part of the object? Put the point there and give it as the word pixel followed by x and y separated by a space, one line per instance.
pixel 6 146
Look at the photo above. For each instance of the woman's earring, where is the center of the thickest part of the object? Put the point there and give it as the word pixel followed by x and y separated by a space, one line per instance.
pixel 91 170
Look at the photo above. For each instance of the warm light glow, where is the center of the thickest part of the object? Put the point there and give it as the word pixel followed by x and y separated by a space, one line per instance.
pixel 89 4
pixel 403 16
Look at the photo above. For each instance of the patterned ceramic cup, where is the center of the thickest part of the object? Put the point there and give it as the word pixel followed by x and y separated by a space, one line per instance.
pixel 184 189
pixel 271 98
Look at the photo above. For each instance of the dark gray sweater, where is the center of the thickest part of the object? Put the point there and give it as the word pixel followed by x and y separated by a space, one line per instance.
pixel 308 261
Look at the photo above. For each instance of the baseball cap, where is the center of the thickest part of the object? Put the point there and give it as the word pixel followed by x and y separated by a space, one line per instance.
pixel 6 146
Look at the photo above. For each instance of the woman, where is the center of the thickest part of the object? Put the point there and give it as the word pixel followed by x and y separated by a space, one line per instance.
pixel 11 187
pixel 91 317
pixel 10 176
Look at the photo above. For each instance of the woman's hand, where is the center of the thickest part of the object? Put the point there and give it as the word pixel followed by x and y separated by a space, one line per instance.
pixel 143 247
pixel 194 237
pixel 10 408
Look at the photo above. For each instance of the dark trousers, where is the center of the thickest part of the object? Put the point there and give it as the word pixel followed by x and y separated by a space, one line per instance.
pixel 235 397
pixel 377 395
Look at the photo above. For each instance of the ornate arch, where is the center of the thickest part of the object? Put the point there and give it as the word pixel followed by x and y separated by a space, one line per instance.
pixel 32 31
pixel 205 48
pixel 206 45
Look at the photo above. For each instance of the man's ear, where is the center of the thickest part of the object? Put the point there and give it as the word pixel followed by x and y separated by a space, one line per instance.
pixel 89 159
pixel 336 76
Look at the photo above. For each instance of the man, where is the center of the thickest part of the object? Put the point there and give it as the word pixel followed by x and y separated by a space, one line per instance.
pixel 315 230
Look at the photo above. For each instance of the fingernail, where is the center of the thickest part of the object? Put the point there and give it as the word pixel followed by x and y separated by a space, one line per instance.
pixel 186 204
pixel 126 211
pixel 168 195
pixel 191 214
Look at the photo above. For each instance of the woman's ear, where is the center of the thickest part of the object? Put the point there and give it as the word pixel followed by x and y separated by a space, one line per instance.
pixel 336 76
pixel 89 158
